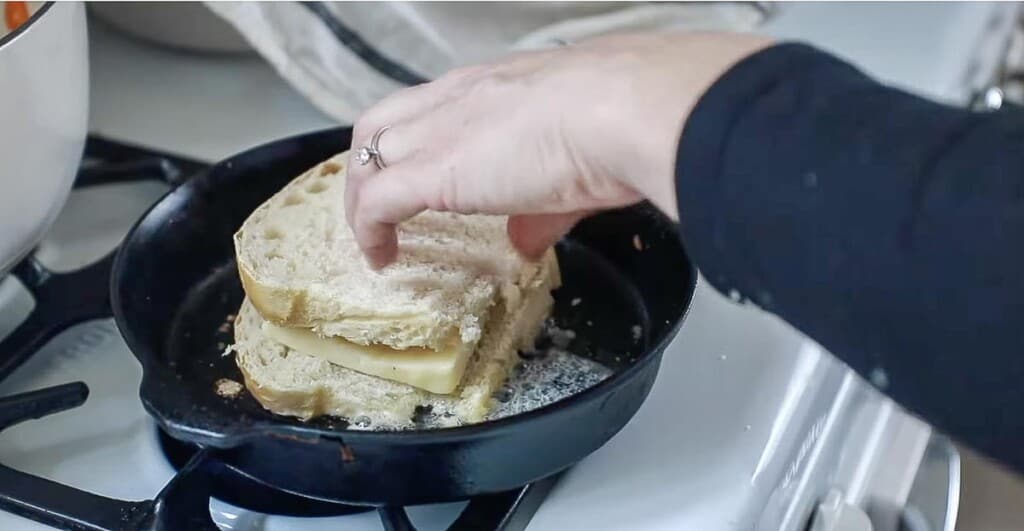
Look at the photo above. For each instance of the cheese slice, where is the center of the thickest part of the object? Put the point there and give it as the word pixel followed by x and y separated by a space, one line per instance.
pixel 435 371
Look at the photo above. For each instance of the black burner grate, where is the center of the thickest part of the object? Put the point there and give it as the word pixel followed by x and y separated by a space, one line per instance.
pixel 65 299
pixel 235 487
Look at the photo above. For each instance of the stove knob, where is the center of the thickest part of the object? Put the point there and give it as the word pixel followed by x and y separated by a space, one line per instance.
pixel 834 514
pixel 990 99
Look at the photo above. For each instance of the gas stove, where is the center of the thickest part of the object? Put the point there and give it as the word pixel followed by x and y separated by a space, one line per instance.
pixel 750 425
pixel 71 421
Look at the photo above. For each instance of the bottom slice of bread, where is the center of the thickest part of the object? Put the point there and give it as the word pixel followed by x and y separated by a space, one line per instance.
pixel 291 383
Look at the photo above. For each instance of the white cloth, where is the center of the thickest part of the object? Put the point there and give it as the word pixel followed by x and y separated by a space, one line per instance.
pixel 430 38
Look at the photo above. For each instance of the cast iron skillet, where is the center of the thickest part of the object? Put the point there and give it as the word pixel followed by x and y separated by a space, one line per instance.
pixel 174 283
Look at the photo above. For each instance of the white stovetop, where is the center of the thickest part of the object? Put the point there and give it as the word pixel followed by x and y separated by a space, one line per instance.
pixel 699 455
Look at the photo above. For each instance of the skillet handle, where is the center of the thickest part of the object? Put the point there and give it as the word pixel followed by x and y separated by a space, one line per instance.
pixel 61 300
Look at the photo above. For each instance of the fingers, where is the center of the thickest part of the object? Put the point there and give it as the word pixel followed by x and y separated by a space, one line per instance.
pixel 385 200
pixel 400 142
pixel 440 154
pixel 399 145
pixel 396 194
pixel 532 235
pixel 409 103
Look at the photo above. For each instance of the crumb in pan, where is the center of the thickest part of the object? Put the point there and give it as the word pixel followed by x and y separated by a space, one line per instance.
pixel 227 388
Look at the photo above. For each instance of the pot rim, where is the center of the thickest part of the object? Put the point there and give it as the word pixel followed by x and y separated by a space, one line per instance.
pixel 10 37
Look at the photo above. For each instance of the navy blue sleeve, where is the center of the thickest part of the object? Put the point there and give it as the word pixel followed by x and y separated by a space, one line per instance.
pixel 887 227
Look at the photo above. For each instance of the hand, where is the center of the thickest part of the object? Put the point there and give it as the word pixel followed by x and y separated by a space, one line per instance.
pixel 544 137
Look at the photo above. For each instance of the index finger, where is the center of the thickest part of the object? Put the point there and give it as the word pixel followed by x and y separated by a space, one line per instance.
pixel 384 201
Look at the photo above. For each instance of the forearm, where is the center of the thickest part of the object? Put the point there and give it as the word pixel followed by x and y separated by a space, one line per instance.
pixel 884 226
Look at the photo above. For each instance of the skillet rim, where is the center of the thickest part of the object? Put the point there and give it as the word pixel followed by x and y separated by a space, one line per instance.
pixel 237 434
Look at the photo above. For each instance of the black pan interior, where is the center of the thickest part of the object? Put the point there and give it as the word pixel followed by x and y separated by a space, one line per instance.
pixel 175 288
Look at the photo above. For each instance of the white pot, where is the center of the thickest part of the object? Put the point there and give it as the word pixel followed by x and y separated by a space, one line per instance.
pixel 44 99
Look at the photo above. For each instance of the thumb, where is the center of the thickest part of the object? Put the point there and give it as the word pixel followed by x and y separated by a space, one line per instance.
pixel 533 234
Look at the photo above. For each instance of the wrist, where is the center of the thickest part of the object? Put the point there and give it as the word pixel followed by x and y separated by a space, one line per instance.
pixel 669 103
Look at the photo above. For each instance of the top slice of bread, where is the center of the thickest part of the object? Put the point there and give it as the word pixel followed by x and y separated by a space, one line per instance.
pixel 300 267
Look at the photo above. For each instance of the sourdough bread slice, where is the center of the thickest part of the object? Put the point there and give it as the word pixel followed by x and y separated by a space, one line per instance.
pixel 301 267
pixel 291 383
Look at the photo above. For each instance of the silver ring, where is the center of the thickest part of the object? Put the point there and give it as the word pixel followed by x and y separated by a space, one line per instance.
pixel 372 152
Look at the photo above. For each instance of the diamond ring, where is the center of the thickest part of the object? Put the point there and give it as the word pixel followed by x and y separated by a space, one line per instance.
pixel 372 152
